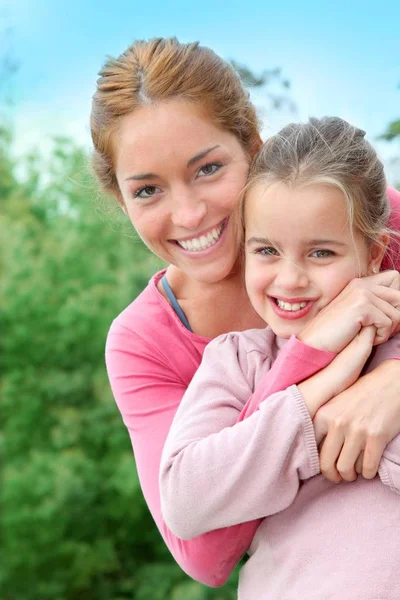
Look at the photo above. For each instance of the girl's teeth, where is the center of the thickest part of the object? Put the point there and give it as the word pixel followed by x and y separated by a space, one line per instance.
pixel 287 306
pixel 203 242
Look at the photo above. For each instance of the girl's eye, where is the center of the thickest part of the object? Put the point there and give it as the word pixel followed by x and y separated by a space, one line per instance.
pixel 268 251
pixel 147 191
pixel 209 169
pixel 322 254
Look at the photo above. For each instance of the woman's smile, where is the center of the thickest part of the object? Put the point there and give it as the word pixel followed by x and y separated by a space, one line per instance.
pixel 183 198
pixel 205 240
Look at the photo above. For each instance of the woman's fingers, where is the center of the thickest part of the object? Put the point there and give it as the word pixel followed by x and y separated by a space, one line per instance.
pixel 346 464
pixel 359 463
pixel 330 450
pixel 374 448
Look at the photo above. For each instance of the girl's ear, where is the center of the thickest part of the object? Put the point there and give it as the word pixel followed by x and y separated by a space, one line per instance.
pixel 377 252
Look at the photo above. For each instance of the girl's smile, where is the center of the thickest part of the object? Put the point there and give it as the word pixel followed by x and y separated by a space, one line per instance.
pixel 300 252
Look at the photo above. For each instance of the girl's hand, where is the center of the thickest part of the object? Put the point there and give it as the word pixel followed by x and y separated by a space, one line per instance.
pixel 340 374
pixel 367 301
pixel 362 420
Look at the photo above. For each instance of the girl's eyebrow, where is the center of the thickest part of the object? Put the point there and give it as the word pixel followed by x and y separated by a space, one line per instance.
pixel 317 242
pixel 257 240
pixel 191 161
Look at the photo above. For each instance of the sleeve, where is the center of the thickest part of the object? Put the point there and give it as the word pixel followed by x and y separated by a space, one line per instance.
pixel 389 468
pixel 296 361
pixel 148 394
pixel 235 471
pixel 392 257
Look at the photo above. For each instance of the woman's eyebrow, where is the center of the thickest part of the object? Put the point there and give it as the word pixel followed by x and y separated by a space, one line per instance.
pixel 141 176
pixel 201 155
pixel 192 161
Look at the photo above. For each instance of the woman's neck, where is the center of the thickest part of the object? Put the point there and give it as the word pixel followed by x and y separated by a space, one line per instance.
pixel 214 308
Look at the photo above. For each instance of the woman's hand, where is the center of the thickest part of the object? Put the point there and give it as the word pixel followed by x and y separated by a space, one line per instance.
pixel 363 302
pixel 362 420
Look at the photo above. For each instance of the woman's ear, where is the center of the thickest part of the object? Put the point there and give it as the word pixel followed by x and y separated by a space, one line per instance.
pixel 120 200
pixel 377 251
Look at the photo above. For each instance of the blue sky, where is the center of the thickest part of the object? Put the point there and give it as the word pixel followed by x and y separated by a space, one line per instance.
pixel 341 57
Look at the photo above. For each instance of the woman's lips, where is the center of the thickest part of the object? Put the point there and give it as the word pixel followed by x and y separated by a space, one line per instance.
pixel 194 248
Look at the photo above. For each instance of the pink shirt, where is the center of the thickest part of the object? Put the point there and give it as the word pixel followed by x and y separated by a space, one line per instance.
pixel 151 358
pixel 216 472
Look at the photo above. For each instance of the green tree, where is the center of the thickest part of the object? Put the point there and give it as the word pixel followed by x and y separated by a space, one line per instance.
pixel 74 523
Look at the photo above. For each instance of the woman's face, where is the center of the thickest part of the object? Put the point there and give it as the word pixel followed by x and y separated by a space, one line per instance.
pixel 180 178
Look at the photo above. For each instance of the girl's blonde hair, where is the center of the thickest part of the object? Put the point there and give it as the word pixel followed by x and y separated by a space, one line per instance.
pixel 330 151
pixel 161 69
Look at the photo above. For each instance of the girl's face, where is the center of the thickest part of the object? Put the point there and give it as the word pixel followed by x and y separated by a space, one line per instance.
pixel 180 178
pixel 300 252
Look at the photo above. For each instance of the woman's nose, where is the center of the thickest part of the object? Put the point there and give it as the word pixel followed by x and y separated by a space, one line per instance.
pixel 188 211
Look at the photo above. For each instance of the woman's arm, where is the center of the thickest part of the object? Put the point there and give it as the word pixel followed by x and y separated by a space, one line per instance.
pixel 363 418
pixel 392 257
pixel 148 393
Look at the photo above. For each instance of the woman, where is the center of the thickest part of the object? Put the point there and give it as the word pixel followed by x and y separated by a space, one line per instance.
pixel 174 133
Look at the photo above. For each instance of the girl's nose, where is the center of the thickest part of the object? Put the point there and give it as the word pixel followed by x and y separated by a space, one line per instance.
pixel 291 277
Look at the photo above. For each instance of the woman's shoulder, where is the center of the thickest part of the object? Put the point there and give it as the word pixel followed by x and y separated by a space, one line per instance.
pixel 147 308
pixel 150 324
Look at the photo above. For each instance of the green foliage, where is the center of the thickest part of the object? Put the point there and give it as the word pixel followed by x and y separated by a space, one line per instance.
pixel 274 85
pixel 392 131
pixel 74 523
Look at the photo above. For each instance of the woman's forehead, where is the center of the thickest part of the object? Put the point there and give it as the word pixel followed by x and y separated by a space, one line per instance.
pixel 171 130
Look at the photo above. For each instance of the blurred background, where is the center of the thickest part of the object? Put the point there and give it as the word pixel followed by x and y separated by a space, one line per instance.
pixel 73 522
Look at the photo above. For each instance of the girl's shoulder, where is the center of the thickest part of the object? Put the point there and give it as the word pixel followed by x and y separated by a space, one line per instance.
pixel 250 340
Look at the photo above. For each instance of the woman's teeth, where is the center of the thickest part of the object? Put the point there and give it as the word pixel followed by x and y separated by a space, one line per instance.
pixel 288 306
pixel 203 242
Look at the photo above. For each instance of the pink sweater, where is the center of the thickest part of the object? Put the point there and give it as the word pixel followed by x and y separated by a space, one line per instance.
pixel 151 359
pixel 216 472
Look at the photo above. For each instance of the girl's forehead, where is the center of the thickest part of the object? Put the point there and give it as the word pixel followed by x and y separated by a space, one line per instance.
pixel 278 209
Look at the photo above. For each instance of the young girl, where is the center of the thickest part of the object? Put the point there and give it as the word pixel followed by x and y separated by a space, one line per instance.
pixel 315 212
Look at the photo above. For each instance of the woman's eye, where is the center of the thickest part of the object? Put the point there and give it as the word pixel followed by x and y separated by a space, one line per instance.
pixel 209 169
pixel 268 251
pixel 322 254
pixel 147 191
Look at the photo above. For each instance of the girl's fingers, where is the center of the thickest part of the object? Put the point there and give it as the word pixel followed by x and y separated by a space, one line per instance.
pixel 330 451
pixel 383 316
pixel 390 279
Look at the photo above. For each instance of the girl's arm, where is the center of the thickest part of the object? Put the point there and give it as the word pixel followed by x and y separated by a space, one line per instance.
pixel 215 471
pixel 148 393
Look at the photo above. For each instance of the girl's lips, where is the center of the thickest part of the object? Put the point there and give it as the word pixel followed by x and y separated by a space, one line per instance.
pixel 291 314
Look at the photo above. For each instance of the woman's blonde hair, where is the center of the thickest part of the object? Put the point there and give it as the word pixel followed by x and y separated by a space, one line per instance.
pixel 162 69
pixel 330 151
